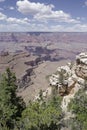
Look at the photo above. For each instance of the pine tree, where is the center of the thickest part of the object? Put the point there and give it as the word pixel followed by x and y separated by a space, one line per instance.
pixel 42 116
pixel 11 106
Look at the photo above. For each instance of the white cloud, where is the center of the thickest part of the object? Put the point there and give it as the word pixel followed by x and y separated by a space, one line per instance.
pixel 58 16
pixel 20 27
pixel 10 27
pixel 63 28
pixel 75 28
pixel 80 27
pixel 2 16
pixel 43 12
pixel 2 0
pixel 27 7
pixel 26 24
pixel 86 3
pixel 11 8
pixel 12 20
pixel 18 21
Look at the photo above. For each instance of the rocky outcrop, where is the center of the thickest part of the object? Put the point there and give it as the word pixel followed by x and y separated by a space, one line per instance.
pixel 67 81
pixel 81 65
pixel 67 77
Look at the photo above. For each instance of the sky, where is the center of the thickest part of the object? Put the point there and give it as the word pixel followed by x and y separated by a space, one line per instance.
pixel 43 15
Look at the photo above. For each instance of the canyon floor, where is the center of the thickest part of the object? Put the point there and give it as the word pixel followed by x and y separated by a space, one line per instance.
pixel 40 79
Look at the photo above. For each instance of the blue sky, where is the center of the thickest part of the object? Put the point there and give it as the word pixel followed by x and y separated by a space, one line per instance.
pixel 43 15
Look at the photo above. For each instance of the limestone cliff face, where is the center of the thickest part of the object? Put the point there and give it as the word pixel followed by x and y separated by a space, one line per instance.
pixel 81 65
pixel 68 80
pixel 71 75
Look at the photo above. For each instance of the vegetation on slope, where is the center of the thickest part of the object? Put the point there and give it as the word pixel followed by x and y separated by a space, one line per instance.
pixel 78 105
pixel 11 106
pixel 41 114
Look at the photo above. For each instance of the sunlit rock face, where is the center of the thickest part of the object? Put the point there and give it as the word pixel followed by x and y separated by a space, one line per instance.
pixel 67 77
pixel 81 65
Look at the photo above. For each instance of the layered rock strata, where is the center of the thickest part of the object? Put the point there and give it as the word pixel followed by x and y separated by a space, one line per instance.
pixel 22 64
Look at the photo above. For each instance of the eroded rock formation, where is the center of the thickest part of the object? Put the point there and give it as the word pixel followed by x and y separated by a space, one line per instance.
pixel 81 65
pixel 71 75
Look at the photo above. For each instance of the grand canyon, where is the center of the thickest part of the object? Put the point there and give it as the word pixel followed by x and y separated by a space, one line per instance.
pixel 33 56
